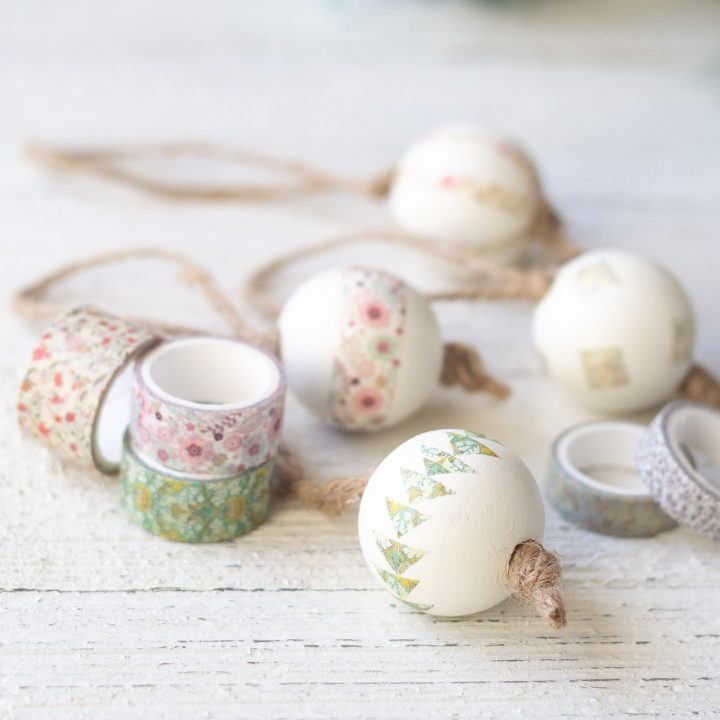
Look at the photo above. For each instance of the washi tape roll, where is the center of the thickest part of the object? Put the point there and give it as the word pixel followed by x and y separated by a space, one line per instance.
pixel 593 481
pixel 679 460
pixel 207 405
pixel 75 395
pixel 193 509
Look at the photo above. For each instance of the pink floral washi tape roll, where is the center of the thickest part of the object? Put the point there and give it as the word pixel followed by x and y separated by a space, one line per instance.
pixel 75 396
pixel 207 405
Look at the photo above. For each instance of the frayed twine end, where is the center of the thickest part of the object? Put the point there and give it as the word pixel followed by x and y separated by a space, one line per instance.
pixel 534 576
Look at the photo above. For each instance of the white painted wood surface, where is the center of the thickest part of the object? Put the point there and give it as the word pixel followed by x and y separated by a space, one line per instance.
pixel 620 104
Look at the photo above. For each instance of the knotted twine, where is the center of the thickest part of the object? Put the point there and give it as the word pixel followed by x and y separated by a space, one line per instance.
pixel 462 365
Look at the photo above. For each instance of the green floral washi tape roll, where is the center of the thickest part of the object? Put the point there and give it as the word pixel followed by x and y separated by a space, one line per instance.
pixel 187 508
pixel 593 481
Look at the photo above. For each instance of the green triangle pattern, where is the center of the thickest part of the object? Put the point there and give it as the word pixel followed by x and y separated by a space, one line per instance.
pixel 438 461
pixel 422 487
pixel 469 443
pixel 400 557
pixel 401 586
pixel 404 517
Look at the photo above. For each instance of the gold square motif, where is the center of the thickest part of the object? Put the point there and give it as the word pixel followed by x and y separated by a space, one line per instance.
pixel 604 368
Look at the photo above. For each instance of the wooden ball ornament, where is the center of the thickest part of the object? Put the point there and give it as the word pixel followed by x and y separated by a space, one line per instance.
pixel 616 330
pixel 466 186
pixel 450 524
pixel 362 349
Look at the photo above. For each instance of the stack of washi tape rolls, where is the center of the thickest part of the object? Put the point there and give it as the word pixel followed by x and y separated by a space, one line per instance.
pixel 191 423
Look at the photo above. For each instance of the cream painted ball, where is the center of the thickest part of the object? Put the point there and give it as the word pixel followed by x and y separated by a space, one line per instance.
pixel 441 516
pixel 467 186
pixel 362 349
pixel 616 330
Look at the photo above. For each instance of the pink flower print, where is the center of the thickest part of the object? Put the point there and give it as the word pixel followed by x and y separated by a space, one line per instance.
pixel 368 401
pixel 195 450
pixel 233 442
pixel 162 455
pixel 58 379
pixel 164 435
pixel 40 353
pixel 374 313
pixel 70 417
pixel 254 449
pixel 43 429
pixel 189 426
pixel 145 437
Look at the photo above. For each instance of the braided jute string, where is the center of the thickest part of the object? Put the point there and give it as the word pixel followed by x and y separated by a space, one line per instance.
pixel 31 302
pixel 534 576
pixel 493 281
pixel 107 163
pixel 111 163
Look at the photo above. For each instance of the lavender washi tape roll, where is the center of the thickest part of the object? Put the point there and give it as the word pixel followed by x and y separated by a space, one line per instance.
pixel 207 405
pixel 593 481
pixel 75 397
pixel 679 461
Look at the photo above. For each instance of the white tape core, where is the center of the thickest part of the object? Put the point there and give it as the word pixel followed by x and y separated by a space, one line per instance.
pixel 602 455
pixel 694 435
pixel 202 371
pixel 113 418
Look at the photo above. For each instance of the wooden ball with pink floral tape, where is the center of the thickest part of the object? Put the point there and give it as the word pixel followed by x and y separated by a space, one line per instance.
pixel 362 349
pixel 467 186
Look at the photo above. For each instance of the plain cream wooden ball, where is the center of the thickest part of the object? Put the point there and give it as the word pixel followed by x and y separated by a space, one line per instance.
pixel 467 186
pixel 441 516
pixel 616 330
pixel 362 349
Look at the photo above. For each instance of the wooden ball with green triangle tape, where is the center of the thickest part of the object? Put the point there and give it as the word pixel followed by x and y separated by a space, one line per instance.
pixel 451 523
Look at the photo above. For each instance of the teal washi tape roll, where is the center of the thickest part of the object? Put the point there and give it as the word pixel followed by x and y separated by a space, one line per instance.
pixel 188 508
pixel 593 481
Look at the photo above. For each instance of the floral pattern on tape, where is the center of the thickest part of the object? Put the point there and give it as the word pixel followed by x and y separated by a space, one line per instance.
pixel 368 358
pixel 212 442
pixel 195 510
pixel 71 368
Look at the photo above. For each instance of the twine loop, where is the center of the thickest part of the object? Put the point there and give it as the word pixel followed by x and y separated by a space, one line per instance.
pixel 111 163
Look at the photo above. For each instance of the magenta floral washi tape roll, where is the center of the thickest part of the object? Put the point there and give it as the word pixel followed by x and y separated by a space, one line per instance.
pixel 75 395
pixel 207 405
